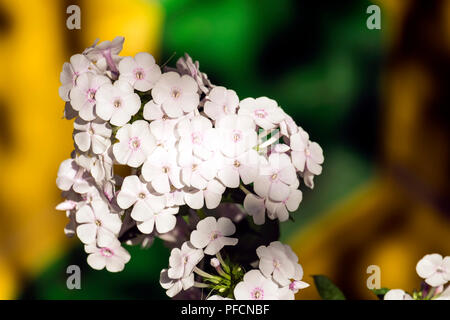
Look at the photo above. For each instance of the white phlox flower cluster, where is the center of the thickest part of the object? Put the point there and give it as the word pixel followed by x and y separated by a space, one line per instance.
pixel 435 270
pixel 184 144
pixel 278 276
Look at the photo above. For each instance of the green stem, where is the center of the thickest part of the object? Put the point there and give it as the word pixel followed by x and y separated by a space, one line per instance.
pixel 241 186
pixel 204 274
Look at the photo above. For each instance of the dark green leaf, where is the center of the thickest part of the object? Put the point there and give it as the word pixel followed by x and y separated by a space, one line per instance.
pixel 327 289
pixel 380 292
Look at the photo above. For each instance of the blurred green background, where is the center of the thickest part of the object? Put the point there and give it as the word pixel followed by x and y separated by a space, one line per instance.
pixel 363 94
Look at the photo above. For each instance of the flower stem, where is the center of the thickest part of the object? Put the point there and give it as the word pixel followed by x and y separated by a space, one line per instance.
pixel 244 189
pixel 201 285
pixel 204 274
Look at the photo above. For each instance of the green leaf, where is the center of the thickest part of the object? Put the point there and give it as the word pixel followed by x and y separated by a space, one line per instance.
pixel 380 292
pixel 327 289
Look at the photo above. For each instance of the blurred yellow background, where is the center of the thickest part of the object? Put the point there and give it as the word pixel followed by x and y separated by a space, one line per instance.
pixel 33 46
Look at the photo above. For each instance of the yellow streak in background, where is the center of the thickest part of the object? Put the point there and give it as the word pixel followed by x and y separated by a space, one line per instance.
pixel 31 58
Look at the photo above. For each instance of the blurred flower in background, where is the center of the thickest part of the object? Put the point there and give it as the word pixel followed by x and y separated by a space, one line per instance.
pixel 375 99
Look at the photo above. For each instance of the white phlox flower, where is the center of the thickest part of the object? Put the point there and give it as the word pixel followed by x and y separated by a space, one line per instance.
pixel 213 234
pixel 135 143
pixel 141 71
pixel 434 269
pixel 221 102
pixel 82 96
pixel 96 224
pixel 175 94
pixel 112 256
pixel 117 102
pixel 93 135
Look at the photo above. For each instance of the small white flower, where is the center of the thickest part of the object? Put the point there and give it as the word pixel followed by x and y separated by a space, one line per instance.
pixel 214 262
pixel 213 193
pixel 266 112
pixel 213 234
pixel 141 72
pixel 136 193
pixel 288 126
pixel 255 207
pixel 306 154
pixel 82 96
pixel 434 269
pixel 197 136
pixel 164 220
pixel 275 262
pixel 221 102
pixel 117 102
pixel 153 111
pixel 196 172
pixel 78 65
pixel 174 286
pixel 135 143
pixel 176 94
pixel 105 54
pixel 193 198
pixel 236 134
pixel 174 197
pixel 244 166
pixel 112 256
pixel 100 166
pixel 164 132
pixel 97 223
pixel 397 294
pixel 185 65
pixel 182 262
pixel 308 178
pixel 70 174
pixel 95 135
pixel 281 209
pixel 162 171
pixel 275 177
pixel 296 285
pixel 256 287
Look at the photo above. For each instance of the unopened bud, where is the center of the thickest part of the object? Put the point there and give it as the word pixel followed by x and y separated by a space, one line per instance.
pixel 215 262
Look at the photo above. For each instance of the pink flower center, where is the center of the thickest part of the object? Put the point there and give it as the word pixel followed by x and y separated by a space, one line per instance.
pixel 134 143
pixel 196 137
pixel 257 294
pixel 292 285
pixel 91 95
pixel 215 235
pixel 260 113
pixel 106 252
pixel 176 93
pixel 117 103
pixel 142 195
pixel 276 264
pixel 139 74
pixel 237 135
